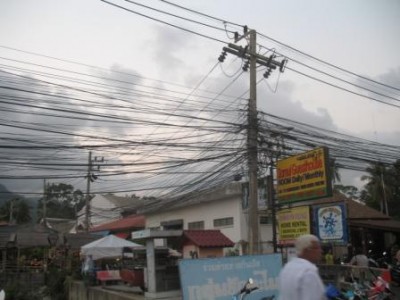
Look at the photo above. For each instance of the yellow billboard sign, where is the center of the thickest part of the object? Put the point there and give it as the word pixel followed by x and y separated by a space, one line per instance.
pixel 293 223
pixel 304 176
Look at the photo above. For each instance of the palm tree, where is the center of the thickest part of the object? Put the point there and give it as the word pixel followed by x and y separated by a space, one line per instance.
pixel 376 192
pixel 334 169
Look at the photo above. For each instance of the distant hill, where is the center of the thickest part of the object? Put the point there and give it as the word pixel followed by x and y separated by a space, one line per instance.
pixel 6 195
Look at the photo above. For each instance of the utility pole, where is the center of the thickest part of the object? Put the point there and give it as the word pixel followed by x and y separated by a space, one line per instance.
pixel 90 178
pixel 11 210
pixel 44 203
pixel 385 204
pixel 250 53
pixel 87 204
pixel 252 161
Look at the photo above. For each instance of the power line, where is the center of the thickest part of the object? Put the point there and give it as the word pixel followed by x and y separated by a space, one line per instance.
pixel 176 16
pixel 344 89
pixel 330 64
pixel 200 13
pixel 164 22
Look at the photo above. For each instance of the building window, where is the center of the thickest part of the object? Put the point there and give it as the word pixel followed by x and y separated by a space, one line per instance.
pixel 223 222
pixel 172 224
pixel 265 220
pixel 196 225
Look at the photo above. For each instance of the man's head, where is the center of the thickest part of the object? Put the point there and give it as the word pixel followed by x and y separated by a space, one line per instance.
pixel 309 248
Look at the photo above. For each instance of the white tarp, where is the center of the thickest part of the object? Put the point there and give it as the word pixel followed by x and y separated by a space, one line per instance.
pixel 107 247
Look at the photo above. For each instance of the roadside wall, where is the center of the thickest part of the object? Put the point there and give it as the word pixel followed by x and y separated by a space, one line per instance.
pixel 78 291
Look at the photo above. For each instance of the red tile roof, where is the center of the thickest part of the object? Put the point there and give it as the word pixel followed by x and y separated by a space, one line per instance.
pixel 130 222
pixel 122 235
pixel 207 238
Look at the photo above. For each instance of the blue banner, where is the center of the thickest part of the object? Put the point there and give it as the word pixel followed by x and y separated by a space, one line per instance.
pixel 222 278
pixel 331 223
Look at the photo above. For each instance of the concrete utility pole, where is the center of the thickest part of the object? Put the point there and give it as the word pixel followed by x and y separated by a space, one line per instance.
pixel 87 203
pixel 249 53
pixel 44 203
pixel 252 159
pixel 11 211
pixel 90 178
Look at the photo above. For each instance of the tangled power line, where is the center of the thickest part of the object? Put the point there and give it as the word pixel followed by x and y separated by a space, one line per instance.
pixel 159 137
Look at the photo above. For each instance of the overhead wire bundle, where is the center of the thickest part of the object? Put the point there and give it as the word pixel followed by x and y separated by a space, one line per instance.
pixel 162 138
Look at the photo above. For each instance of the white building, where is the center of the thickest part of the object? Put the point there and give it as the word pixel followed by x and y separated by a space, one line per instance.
pixel 106 208
pixel 220 208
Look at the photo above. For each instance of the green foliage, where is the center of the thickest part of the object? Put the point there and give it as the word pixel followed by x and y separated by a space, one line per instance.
pixel 348 190
pixel 62 200
pixel 383 187
pixel 56 279
pixel 18 208
pixel 37 252
pixel 21 291
pixel 334 170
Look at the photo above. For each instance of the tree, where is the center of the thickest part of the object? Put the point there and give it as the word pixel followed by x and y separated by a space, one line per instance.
pixel 15 210
pixel 393 181
pixel 334 169
pixel 375 192
pixel 349 191
pixel 382 190
pixel 62 201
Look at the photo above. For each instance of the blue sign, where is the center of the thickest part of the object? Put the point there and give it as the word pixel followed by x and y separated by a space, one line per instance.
pixel 222 278
pixel 331 223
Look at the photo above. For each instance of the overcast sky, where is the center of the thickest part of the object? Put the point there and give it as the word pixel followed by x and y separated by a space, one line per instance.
pixel 361 36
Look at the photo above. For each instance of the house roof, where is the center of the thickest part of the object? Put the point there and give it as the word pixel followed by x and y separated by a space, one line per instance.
pixel 37 235
pixel 60 225
pixel 76 240
pixel 386 225
pixel 360 211
pixel 355 210
pixel 7 234
pixel 131 222
pixel 207 238
pixel 360 215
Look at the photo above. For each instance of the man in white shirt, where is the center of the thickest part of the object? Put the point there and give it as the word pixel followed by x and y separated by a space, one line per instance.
pixel 299 279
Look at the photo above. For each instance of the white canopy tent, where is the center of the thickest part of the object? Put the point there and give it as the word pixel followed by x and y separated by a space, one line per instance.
pixel 107 247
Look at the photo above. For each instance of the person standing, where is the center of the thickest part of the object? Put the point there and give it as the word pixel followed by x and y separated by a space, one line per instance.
pixel 360 259
pixel 299 278
pixel 329 257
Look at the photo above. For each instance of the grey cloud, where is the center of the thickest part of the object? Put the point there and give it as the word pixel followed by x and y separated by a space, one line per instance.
pixel 168 52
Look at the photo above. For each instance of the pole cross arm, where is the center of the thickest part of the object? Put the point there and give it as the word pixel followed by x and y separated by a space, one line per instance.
pixel 267 61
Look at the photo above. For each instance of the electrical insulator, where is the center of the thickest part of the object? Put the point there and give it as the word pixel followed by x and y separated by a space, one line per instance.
pixel 283 65
pixel 242 51
pixel 267 73
pixel 246 66
pixel 221 58
pixel 270 60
